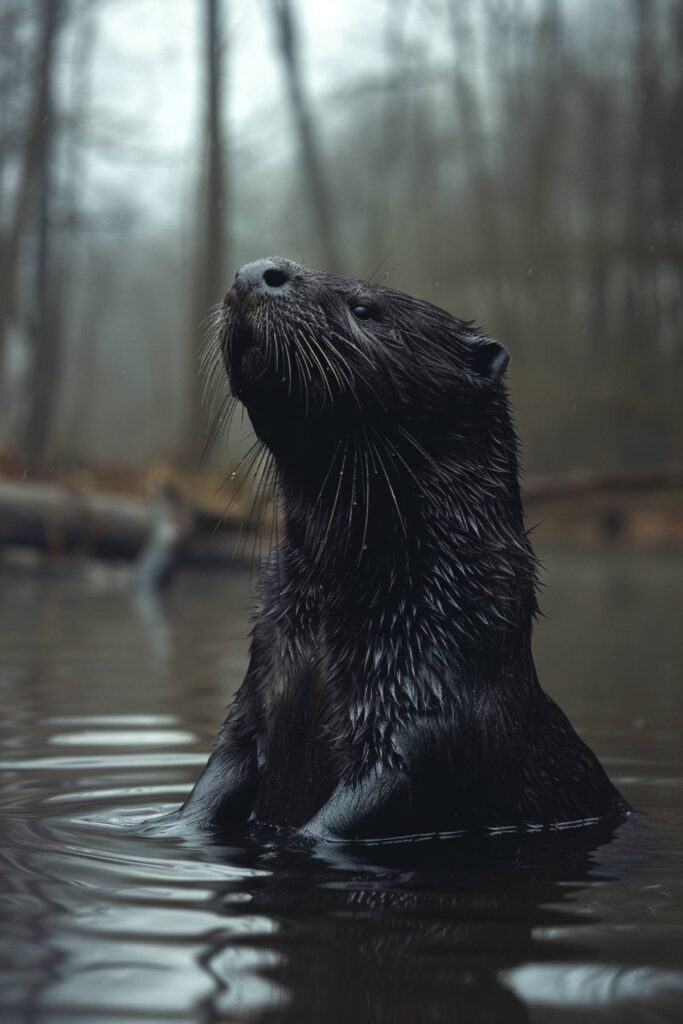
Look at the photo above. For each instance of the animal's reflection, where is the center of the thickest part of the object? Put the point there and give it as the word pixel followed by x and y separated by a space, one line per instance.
pixel 405 933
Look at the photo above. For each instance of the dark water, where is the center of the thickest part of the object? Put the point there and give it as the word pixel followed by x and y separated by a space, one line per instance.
pixel 109 709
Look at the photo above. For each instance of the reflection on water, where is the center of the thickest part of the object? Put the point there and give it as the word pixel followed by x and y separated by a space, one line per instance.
pixel 110 707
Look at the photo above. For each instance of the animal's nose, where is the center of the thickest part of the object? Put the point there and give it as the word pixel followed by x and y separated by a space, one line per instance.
pixel 266 275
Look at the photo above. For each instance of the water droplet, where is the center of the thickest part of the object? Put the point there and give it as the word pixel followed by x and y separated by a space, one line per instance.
pixel 365 547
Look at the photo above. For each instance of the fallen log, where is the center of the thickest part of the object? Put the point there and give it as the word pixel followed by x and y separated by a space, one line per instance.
pixel 60 519
pixel 579 482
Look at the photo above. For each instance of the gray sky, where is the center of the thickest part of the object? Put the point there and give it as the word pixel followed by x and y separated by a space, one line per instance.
pixel 146 81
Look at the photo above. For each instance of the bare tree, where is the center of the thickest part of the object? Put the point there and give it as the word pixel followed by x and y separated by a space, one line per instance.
pixel 12 82
pixel 321 203
pixel 87 304
pixel 41 391
pixel 469 134
pixel 33 156
pixel 212 243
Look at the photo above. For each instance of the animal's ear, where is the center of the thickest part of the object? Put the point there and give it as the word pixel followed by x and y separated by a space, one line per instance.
pixel 490 359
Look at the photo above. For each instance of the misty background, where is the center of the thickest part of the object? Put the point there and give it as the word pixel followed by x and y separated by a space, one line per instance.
pixel 516 163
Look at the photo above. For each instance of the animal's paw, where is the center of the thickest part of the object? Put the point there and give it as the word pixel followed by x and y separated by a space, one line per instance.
pixel 316 832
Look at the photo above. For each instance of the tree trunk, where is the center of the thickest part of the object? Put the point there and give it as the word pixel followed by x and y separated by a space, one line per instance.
pixel 212 257
pixel 472 148
pixel 321 203
pixel 59 519
pixel 31 161
pixel 45 337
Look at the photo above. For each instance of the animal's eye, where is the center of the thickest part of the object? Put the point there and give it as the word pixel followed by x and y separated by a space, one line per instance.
pixel 364 312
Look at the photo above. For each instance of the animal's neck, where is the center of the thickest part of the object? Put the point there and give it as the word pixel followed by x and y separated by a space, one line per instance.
pixel 430 567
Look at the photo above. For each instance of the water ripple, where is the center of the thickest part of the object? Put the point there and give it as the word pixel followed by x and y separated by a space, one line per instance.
pixel 102 926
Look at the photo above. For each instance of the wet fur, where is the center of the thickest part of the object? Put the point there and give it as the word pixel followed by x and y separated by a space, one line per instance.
pixel 391 687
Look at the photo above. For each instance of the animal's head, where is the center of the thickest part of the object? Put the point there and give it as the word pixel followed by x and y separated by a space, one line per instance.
pixel 315 351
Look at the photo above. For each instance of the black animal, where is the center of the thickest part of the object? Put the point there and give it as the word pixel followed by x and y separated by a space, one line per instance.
pixel 391 688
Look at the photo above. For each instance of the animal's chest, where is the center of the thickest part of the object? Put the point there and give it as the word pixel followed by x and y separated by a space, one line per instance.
pixel 297 754
pixel 298 743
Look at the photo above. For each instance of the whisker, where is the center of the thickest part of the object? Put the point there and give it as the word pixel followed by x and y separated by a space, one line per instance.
pixel 333 510
pixel 366 502
pixel 389 485
pixel 352 503
pixel 380 265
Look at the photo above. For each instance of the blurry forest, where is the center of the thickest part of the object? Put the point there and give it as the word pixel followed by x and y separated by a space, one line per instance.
pixel 518 163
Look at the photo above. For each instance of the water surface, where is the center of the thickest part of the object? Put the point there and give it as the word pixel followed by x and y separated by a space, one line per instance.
pixel 110 706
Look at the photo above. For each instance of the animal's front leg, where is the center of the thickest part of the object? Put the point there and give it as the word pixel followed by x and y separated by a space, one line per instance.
pixel 223 797
pixel 377 806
